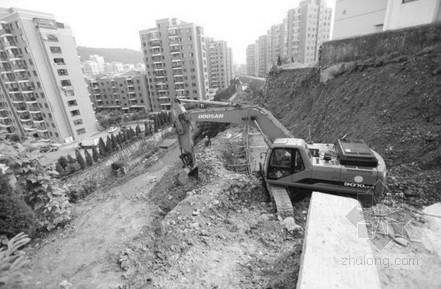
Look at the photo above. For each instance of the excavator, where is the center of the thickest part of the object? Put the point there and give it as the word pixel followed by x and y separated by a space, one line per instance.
pixel 345 167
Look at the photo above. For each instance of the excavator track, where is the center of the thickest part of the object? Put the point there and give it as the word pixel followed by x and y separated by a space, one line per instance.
pixel 281 198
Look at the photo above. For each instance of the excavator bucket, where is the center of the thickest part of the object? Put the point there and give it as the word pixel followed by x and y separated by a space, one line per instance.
pixel 194 173
pixel 185 173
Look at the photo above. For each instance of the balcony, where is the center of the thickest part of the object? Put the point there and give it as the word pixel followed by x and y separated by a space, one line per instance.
pixel 14 90
pixel 174 49
pixel 155 43
pixel 19 67
pixel 41 129
pixel 27 89
pixel 25 117
pixel 5 125
pixel 5 32
pixel 9 44
pixel 31 100
pixel 38 119
pixel 30 128
pixel 3 116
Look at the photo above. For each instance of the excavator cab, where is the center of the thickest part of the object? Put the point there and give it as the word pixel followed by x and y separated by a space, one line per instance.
pixel 284 162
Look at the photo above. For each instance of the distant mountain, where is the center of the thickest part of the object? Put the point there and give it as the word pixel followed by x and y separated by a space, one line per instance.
pixel 111 54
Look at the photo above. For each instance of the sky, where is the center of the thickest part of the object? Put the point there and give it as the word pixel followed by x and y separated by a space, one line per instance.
pixel 116 24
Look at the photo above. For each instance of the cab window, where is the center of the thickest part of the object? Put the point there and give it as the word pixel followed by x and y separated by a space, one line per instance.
pixel 284 162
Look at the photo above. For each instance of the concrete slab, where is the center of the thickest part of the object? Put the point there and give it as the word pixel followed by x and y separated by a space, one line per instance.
pixel 334 256
pixel 432 228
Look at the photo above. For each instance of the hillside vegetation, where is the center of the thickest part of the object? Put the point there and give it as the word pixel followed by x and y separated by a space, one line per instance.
pixel 122 55
pixel 392 102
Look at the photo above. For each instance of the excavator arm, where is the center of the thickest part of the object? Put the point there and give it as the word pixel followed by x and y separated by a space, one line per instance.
pixel 267 124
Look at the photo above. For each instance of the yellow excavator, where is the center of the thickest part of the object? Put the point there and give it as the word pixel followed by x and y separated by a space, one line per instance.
pixel 345 167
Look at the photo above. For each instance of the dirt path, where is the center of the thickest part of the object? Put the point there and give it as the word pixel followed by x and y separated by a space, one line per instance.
pixel 86 253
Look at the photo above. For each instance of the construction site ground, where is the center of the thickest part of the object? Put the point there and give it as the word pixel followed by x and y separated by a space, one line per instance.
pixel 149 232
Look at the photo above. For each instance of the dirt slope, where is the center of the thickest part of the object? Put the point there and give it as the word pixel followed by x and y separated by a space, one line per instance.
pixel 393 103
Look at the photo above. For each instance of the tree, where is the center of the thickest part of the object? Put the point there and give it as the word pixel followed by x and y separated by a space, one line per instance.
pixel 102 148
pixel 132 133
pixel 279 61
pixel 95 154
pixel 138 130
pixel 62 161
pixel 146 128
pixel 89 161
pixel 114 143
pixel 109 148
pixel 155 123
pixel 80 159
pixel 71 160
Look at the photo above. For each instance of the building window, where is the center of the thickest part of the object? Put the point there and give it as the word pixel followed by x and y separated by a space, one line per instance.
pixel 69 92
pixel 51 37
pixel 42 95
pixel 66 82
pixel 62 72
pixel 75 112
pixel 59 61
pixel 81 131
pixel 407 1
pixel 78 121
pixel 55 49
pixel 72 103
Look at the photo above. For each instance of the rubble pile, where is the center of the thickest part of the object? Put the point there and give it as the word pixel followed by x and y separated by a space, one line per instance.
pixel 223 232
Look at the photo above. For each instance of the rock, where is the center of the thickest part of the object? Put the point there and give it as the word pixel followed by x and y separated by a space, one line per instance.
pixel 65 284
pixel 401 241
pixel 183 177
pixel 264 218
pixel 290 225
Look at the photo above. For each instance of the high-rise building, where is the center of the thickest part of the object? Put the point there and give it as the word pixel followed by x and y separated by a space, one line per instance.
pixel 263 55
pixel 219 64
pixel 311 27
pixel 42 89
pixel 276 43
pixel 251 59
pixel 297 39
pixel 90 68
pixel 175 57
pixel 99 60
pixel 125 93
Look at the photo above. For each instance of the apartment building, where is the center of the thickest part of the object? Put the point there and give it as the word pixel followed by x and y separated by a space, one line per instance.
pixel 297 39
pixel 262 60
pixel 176 60
pixel 220 64
pixel 315 28
pixel 42 90
pixel 124 93
pixel 251 56
pixel 276 43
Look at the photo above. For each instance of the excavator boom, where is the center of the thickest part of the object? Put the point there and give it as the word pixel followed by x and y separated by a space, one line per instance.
pixel 267 124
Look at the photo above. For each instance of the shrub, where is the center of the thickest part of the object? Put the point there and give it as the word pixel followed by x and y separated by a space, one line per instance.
pixel 15 216
pixel 76 193
pixel 63 162
pixel 72 168
pixel 59 168
pixel 80 159
pixel 89 161
pixel 117 165
pixel 5 187
pixel 14 138
pixel 12 262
